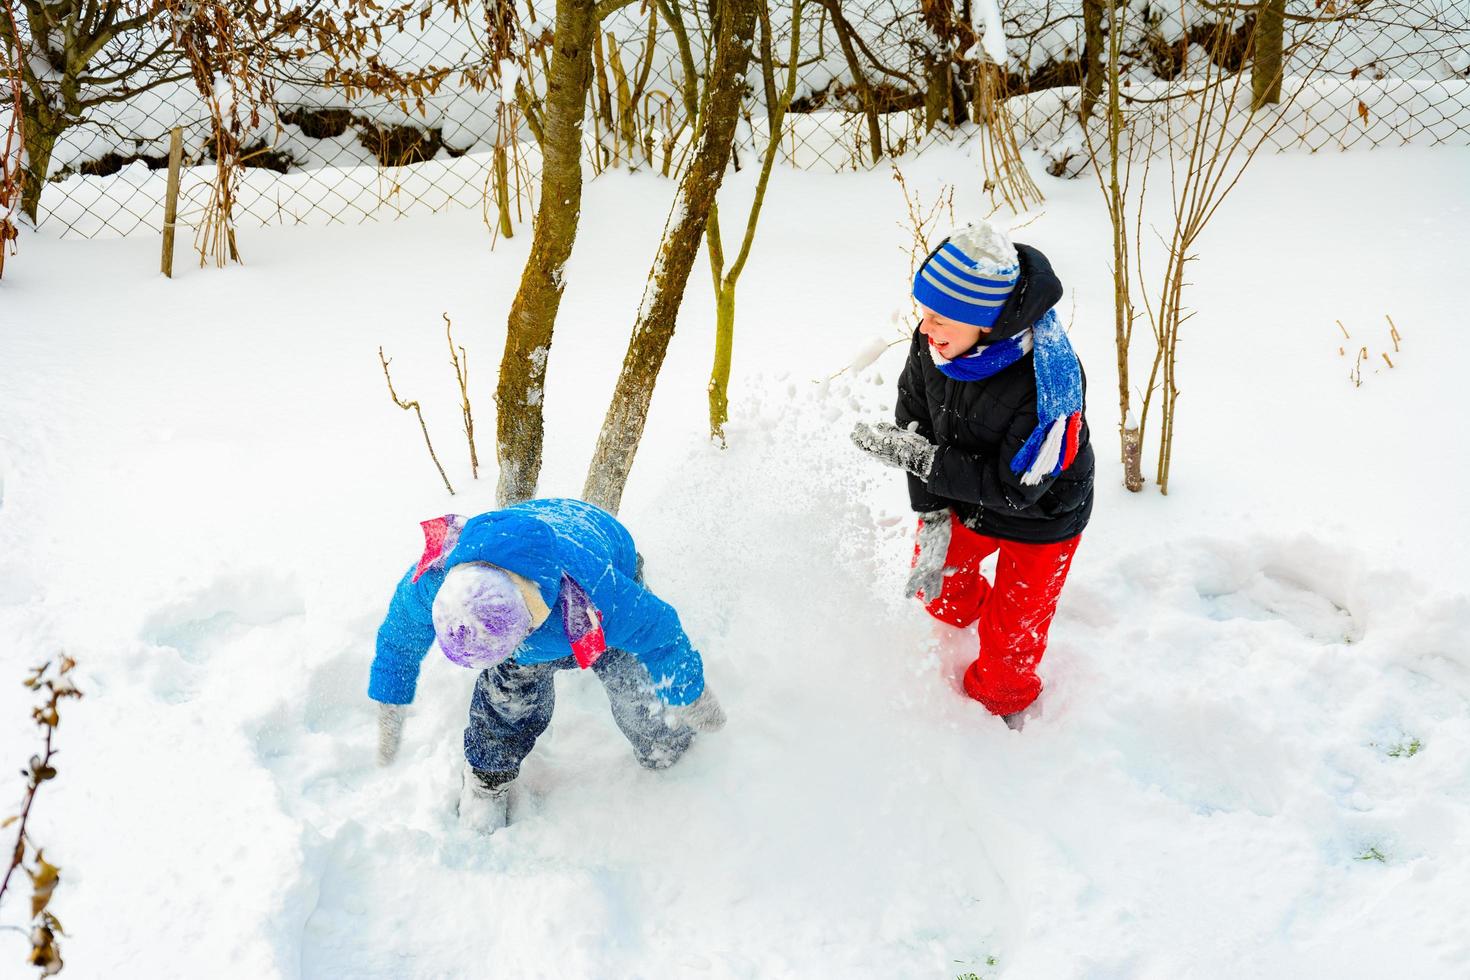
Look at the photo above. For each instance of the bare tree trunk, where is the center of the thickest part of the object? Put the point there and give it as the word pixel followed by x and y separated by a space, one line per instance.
pixel 40 142
pixel 1266 65
pixel 1092 54
pixel 936 91
pixel 859 78
pixel 622 429
pixel 518 425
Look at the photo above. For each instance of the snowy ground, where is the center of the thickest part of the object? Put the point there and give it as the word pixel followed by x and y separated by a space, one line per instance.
pixel 206 497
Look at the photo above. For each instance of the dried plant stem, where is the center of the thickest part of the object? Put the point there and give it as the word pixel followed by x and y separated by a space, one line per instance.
pixel 901 339
pixel 602 114
pixel 13 174
pixel 216 236
pixel 644 137
pixel 922 223
pixel 44 876
pixel 414 406
pixel 23 818
pixel 1000 151
pixel 461 362
pixel 623 94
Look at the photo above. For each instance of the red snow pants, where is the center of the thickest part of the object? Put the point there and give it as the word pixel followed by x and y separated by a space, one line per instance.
pixel 1015 613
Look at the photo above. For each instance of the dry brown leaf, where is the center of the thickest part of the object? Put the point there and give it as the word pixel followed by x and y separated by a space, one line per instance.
pixel 44 879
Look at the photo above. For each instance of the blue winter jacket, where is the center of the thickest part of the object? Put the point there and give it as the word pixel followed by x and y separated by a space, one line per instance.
pixel 539 540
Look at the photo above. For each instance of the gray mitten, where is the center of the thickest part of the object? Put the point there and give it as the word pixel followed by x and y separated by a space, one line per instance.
pixel 390 730
pixel 903 449
pixel 928 574
pixel 703 714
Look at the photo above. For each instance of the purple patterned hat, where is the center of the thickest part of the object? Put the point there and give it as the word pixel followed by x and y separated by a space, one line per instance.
pixel 480 616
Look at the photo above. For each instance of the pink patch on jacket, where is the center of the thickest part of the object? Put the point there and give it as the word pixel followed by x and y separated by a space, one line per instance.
pixel 582 622
pixel 440 536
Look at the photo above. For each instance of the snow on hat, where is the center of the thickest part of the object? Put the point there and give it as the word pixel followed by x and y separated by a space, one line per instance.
pixel 970 275
pixel 482 613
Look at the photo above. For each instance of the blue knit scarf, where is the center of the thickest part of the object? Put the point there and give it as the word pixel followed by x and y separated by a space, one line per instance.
pixel 1052 445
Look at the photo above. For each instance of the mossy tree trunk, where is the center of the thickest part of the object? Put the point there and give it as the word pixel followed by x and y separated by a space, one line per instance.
pixel 719 379
pixel 622 429
pixel 519 426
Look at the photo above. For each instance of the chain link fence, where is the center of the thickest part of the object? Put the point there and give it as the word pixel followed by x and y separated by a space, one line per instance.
pixel 876 79
pixel 1379 75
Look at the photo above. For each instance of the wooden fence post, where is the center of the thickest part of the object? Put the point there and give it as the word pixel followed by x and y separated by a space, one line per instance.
pixel 171 201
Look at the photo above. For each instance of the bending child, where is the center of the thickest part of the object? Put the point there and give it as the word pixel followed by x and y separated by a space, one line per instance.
pixel 522 593
pixel 992 434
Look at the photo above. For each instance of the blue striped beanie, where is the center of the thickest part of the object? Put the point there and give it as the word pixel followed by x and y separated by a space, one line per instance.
pixel 969 277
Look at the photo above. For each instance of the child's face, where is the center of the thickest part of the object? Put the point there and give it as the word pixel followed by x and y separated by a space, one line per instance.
pixel 949 337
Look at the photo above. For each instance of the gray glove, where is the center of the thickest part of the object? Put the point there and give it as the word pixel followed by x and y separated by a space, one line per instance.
pixel 390 730
pixel 928 574
pixel 703 714
pixel 903 449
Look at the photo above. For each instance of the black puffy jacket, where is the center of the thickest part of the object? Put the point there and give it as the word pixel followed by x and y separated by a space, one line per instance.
pixel 980 425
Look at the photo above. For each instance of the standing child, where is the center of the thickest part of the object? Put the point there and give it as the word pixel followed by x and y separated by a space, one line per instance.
pixel 520 594
pixel 991 432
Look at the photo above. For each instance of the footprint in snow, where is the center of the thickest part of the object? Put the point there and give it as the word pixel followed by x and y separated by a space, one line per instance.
pixel 199 623
pixel 1270 593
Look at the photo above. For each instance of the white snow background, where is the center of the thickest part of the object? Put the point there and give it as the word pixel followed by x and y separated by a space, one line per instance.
pixel 206 497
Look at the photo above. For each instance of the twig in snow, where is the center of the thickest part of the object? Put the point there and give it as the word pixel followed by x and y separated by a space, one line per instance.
pixel 420 413
pixel 461 362
pixel 843 370
pixel 1027 223
pixel 44 875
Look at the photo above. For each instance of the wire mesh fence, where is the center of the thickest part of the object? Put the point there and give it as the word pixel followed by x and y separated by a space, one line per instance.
pixel 1376 75
pixel 877 79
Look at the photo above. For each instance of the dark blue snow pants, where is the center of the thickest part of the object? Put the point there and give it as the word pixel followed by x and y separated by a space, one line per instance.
pixel 513 702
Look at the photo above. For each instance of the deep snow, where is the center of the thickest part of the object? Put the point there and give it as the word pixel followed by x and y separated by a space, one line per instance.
pixel 206 497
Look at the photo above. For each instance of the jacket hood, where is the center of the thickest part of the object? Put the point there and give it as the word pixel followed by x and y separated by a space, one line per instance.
pixel 1037 290
pixel 517 542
